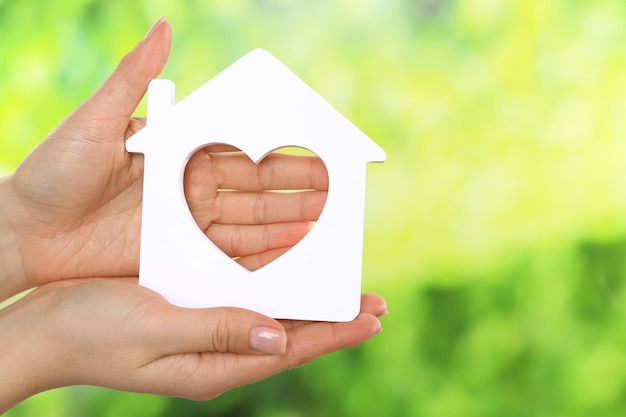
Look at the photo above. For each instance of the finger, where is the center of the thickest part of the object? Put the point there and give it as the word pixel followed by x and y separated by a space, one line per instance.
pixel 206 376
pixel 275 172
pixel 220 147
pixel 233 169
pixel 374 304
pixel 120 94
pixel 237 240
pixel 306 343
pixel 234 330
pixel 370 304
pixel 269 207
pixel 259 260
pixel 309 341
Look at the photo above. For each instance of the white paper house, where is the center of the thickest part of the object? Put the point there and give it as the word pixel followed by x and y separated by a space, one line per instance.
pixel 256 105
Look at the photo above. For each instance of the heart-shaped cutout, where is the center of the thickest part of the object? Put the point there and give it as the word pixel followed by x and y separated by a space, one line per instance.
pixel 255 212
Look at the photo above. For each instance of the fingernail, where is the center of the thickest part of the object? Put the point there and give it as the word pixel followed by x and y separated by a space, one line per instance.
pixel 378 329
pixel 384 311
pixel 267 340
pixel 155 26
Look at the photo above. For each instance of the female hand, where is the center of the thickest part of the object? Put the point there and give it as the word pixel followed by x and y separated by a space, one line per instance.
pixel 114 333
pixel 72 209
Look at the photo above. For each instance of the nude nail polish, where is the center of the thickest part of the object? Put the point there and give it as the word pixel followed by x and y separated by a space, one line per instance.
pixel 267 340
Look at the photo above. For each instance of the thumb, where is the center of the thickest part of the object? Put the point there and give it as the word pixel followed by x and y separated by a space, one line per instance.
pixel 223 329
pixel 120 94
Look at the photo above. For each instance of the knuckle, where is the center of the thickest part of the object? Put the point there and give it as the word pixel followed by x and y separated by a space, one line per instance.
pixel 259 209
pixel 221 337
pixel 236 242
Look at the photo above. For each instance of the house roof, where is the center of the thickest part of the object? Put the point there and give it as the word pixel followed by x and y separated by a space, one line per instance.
pixel 258 105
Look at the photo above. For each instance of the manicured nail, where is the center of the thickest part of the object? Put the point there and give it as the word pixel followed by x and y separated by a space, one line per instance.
pixel 267 340
pixel 156 24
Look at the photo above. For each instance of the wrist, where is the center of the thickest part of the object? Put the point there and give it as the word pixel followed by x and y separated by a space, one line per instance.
pixel 18 369
pixel 12 277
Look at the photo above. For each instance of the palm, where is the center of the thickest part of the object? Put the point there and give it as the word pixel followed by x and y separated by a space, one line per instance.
pixel 90 222
pixel 77 197
pixel 80 217
pixel 137 341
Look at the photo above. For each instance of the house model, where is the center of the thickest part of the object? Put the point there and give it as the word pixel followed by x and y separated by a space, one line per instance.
pixel 258 106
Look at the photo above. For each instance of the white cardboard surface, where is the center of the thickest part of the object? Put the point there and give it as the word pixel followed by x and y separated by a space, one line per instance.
pixel 258 106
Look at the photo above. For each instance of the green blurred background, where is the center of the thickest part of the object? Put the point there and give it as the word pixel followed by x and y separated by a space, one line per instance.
pixel 496 229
